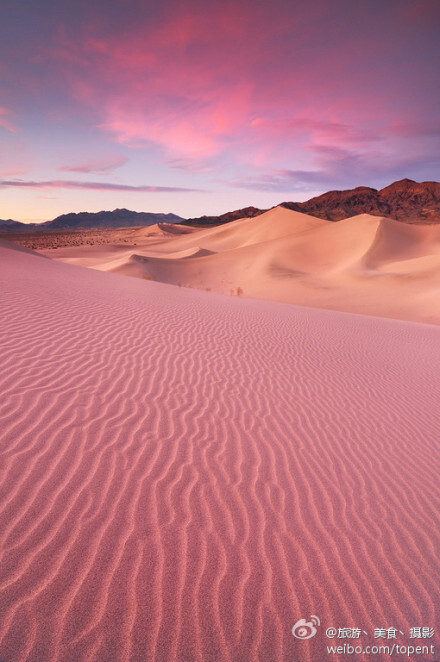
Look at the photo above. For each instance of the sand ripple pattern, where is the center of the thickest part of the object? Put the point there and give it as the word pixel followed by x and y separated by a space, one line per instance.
pixel 185 475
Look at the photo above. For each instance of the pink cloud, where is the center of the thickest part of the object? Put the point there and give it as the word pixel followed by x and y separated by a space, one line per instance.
pixel 96 186
pixel 5 122
pixel 318 130
pixel 12 171
pixel 246 84
pixel 414 129
pixel 190 165
pixel 284 180
pixel 331 167
pixel 184 84
pixel 104 163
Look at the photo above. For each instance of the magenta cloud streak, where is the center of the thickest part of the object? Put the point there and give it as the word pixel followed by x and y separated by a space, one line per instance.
pixel 97 186
pixel 103 164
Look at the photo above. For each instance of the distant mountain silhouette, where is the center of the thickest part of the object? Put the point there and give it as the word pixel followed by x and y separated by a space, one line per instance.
pixel 12 225
pixel 118 218
pixel 404 200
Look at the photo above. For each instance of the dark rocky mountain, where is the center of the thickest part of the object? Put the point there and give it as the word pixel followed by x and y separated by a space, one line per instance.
pixel 336 205
pixel 247 212
pixel 408 199
pixel 404 200
pixel 118 218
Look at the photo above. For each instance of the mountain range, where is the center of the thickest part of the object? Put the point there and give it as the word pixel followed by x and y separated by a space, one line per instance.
pixel 118 218
pixel 405 200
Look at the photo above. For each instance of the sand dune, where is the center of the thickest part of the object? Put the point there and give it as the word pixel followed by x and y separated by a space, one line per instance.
pixel 172 228
pixel 365 264
pixel 273 224
pixel 185 475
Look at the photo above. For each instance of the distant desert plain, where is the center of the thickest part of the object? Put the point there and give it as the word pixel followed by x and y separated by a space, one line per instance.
pixel 241 434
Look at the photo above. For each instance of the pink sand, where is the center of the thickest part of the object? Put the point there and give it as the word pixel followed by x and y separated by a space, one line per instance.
pixel 184 475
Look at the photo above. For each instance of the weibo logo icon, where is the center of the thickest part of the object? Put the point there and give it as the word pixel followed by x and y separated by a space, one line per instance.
pixel 306 629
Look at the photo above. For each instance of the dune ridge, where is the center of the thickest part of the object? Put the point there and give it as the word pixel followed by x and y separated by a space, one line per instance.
pixel 184 475
pixel 364 264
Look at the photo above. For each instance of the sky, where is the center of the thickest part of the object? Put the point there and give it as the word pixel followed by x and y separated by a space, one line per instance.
pixel 201 107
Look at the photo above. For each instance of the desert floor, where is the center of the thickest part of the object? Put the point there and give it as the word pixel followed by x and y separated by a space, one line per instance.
pixel 185 475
